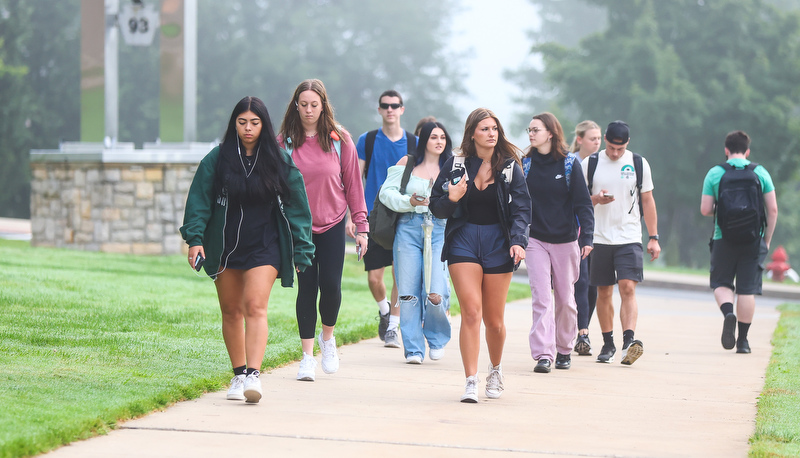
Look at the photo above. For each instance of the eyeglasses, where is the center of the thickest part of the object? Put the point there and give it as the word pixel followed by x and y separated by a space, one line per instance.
pixel 394 106
pixel 534 130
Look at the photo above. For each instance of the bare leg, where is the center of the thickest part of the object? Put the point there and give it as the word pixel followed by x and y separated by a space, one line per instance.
pixel 467 284
pixel 495 292
pixel 629 309
pixel 605 308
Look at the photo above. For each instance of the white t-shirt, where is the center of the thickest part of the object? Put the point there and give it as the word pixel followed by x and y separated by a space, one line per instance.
pixel 618 222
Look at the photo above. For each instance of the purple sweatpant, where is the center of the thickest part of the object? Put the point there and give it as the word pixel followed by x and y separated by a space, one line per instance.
pixel 552 266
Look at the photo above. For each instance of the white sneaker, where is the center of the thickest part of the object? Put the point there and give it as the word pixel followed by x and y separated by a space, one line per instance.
pixel 252 388
pixel 470 390
pixel 391 340
pixel 330 357
pixel 308 366
pixel 414 359
pixel 236 390
pixel 436 353
pixel 494 382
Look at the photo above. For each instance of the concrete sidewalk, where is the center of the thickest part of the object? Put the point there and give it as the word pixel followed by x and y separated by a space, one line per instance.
pixel 686 396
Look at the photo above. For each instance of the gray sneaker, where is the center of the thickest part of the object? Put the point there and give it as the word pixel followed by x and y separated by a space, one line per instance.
pixel 494 382
pixel 383 324
pixel 391 340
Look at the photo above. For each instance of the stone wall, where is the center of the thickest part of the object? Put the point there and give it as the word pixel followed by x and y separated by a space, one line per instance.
pixel 122 207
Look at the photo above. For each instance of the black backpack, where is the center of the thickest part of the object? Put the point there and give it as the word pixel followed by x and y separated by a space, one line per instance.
pixel 740 212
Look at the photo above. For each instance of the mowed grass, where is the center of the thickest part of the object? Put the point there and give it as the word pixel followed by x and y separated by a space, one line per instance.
pixel 90 339
pixel 778 419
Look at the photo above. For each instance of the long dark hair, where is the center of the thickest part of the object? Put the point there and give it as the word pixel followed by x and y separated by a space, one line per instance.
pixel 267 180
pixel 422 144
pixel 292 127
pixel 503 149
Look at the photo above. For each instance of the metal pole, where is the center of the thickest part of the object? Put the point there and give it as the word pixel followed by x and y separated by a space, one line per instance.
pixel 111 70
pixel 190 71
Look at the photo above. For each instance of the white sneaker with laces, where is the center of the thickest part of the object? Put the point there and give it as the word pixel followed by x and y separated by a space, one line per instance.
pixel 470 390
pixel 414 359
pixel 308 366
pixel 494 382
pixel 330 357
pixel 252 388
pixel 236 390
pixel 436 353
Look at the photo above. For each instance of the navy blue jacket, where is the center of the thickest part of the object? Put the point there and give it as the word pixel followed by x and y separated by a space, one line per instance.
pixel 514 203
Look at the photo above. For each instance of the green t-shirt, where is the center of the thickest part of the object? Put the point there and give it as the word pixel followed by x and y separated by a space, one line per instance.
pixel 711 183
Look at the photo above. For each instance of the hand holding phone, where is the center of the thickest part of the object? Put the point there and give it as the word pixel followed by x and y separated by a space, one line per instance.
pixel 198 262
pixel 419 198
pixel 608 194
pixel 358 251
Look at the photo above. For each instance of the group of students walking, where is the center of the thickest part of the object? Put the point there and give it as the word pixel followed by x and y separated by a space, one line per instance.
pixel 266 205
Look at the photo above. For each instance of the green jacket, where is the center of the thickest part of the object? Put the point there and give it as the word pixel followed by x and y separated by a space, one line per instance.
pixel 204 220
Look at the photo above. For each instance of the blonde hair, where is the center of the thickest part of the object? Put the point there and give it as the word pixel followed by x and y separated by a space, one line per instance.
pixel 580 131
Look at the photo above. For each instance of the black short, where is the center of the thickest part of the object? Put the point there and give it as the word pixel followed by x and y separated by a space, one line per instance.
pixel 377 257
pixel 611 263
pixel 745 263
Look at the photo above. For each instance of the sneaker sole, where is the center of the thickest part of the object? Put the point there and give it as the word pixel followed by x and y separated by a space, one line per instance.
pixel 235 397
pixel 563 366
pixel 541 370
pixel 728 332
pixel 305 378
pixel 583 349
pixel 469 399
pixel 635 350
pixel 493 395
pixel 392 345
pixel 609 360
pixel 252 396
pixel 329 371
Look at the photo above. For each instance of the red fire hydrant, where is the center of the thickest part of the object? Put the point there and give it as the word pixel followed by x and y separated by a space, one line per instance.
pixel 779 265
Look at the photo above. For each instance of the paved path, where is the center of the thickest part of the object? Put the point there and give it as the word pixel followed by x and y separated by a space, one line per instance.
pixel 686 396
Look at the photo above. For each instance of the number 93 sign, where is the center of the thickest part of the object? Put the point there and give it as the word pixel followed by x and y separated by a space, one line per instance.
pixel 138 24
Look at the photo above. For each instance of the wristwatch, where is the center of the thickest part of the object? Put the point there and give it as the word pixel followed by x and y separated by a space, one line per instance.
pixel 654 237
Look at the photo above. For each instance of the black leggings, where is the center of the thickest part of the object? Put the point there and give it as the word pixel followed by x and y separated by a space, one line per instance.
pixel 323 275
pixel 585 295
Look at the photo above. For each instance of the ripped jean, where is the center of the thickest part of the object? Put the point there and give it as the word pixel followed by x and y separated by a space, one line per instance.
pixel 421 319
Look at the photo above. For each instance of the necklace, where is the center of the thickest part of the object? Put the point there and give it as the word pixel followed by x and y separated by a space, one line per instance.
pixel 246 173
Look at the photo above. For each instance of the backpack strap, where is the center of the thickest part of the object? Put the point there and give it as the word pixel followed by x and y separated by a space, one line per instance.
pixel 568 161
pixel 337 145
pixel 411 142
pixel 410 164
pixel 369 145
pixel 590 172
pixel 288 143
pixel 526 165
pixel 637 167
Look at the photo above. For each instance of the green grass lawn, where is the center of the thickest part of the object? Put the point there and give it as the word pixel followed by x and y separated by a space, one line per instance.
pixel 89 339
pixel 778 420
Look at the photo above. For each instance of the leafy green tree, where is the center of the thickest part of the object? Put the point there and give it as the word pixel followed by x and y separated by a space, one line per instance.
pixel 358 49
pixel 683 74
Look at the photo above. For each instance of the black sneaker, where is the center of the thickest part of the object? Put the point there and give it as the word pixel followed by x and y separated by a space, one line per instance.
pixel 582 346
pixel 543 366
pixel 728 331
pixel 742 346
pixel 607 354
pixel 563 361
pixel 632 352
pixel 382 325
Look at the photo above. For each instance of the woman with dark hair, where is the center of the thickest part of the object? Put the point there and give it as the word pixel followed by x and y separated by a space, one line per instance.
pixel 247 217
pixel 561 206
pixel 484 198
pixel 326 155
pixel 422 281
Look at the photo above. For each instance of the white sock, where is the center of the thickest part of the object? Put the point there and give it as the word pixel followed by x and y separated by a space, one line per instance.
pixel 394 322
pixel 383 306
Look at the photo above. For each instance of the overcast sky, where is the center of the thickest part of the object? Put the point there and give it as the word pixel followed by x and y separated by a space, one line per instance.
pixel 493 35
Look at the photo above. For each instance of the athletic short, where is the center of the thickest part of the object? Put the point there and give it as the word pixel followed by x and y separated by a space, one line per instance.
pixel 743 262
pixel 611 263
pixel 481 244
pixel 377 257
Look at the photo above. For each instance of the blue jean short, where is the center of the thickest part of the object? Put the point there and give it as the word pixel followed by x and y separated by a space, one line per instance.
pixel 481 244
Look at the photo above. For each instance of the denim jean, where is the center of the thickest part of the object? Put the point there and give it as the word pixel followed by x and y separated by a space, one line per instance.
pixel 421 319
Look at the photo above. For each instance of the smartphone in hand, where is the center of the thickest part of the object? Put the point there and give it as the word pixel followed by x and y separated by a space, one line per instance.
pixel 198 262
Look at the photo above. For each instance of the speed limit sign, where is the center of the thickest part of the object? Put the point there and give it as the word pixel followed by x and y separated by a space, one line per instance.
pixel 138 23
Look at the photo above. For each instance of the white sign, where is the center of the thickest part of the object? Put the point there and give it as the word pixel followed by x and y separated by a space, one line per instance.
pixel 138 24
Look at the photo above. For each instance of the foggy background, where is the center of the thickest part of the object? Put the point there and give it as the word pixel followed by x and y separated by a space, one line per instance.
pixel 682 73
